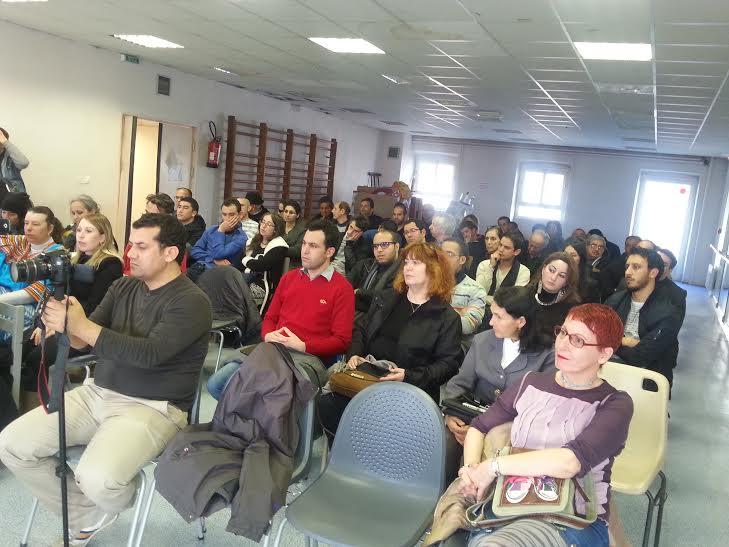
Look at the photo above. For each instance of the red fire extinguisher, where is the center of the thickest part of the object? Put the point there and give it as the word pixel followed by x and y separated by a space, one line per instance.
pixel 214 146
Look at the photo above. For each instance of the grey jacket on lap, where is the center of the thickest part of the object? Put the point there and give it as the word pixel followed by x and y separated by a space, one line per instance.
pixel 481 375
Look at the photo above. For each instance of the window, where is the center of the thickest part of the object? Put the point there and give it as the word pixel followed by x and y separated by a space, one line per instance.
pixel 540 191
pixel 435 178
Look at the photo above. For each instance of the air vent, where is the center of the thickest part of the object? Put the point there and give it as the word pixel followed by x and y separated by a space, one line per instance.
pixel 518 139
pixel 357 111
pixel 625 88
pixel 510 131
pixel 163 85
pixel 393 123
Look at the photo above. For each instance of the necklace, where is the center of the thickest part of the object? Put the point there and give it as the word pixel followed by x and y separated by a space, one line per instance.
pixel 414 307
pixel 571 385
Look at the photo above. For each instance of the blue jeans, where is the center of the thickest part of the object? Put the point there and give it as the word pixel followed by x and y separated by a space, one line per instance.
pixel 218 381
pixel 595 535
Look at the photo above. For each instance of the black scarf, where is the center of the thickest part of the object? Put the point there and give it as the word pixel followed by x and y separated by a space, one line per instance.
pixel 509 280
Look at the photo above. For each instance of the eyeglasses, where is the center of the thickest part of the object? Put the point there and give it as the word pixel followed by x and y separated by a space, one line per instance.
pixel 383 245
pixel 596 246
pixel 269 224
pixel 575 339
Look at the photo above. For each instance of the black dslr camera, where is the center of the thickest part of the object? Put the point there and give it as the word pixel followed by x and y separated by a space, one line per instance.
pixel 54 266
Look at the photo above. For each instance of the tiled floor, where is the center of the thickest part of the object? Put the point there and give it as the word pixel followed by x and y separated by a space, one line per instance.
pixel 697 464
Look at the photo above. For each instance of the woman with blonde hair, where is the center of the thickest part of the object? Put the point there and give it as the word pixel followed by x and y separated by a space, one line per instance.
pixel 412 325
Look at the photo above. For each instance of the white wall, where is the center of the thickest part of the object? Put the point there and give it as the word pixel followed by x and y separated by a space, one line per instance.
pixel 62 103
pixel 600 193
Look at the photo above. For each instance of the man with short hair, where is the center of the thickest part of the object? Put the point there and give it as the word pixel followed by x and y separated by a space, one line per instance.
pixel 247 224
pixel 220 245
pixel 538 243
pixel 442 227
pixel 341 216
pixel 651 322
pixel 399 215
pixel 370 276
pixel 613 274
pixel 159 203
pixel 476 246
pixel 613 251
pixel 502 269
pixel 367 210
pixel 326 208
pixel 187 214
pixel 257 210
pixel 353 246
pixel 666 286
pixel 647 244
pixel 182 192
pixel 414 231
pixel 503 223
pixel 469 298
pixel 150 337
pixel 597 256
pixel 579 233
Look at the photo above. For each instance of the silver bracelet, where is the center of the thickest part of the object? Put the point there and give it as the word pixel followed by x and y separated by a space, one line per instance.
pixel 495 466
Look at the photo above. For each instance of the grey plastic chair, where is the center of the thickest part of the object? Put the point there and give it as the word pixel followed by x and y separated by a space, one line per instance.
pixel 385 475
pixel 216 329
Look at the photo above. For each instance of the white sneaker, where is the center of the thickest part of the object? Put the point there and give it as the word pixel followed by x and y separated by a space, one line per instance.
pixel 83 537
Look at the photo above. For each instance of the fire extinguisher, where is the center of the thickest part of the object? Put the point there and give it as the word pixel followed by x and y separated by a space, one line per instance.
pixel 214 146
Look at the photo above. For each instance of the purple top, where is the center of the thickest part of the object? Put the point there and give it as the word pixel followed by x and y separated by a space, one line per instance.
pixel 593 423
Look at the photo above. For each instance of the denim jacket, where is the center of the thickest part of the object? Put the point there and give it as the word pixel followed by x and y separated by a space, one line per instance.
pixel 12 161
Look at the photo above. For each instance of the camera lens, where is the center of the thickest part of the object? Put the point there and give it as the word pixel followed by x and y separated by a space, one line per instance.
pixel 25 271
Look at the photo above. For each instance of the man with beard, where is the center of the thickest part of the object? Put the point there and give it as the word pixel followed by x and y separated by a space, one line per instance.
pixel 651 321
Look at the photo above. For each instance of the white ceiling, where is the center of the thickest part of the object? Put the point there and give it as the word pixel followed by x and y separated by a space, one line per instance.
pixel 459 57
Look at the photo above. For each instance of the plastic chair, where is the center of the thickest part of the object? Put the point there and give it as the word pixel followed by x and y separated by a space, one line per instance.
pixel 217 331
pixel 267 287
pixel 385 475
pixel 642 459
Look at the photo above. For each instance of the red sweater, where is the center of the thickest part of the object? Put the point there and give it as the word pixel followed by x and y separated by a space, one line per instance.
pixel 320 312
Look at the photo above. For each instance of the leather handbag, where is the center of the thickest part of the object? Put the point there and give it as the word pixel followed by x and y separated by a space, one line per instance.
pixel 350 382
pixel 463 407
pixel 497 510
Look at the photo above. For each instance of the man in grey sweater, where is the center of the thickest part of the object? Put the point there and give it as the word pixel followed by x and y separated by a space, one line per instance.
pixel 150 334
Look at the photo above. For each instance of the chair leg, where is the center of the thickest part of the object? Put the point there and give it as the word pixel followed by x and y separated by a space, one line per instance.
pixel 145 512
pixel 141 491
pixel 201 529
pixel 648 518
pixel 29 524
pixel 662 496
pixel 220 348
pixel 277 541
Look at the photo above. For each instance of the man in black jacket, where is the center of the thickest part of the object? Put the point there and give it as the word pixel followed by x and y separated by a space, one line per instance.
pixel 368 277
pixel 614 272
pixel 192 222
pixel 651 321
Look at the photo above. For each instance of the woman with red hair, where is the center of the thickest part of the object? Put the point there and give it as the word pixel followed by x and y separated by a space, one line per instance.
pixel 574 422
pixel 412 325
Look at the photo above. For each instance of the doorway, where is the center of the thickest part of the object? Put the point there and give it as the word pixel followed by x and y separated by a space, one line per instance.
pixel 156 157
pixel 663 212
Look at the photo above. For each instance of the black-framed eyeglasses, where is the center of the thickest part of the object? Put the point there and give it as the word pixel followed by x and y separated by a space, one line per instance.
pixel 382 245
pixel 575 339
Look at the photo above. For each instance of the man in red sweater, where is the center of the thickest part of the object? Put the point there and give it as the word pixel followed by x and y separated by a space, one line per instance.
pixel 312 309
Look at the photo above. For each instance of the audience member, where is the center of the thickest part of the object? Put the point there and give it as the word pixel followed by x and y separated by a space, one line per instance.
pixel 590 433
pixel 597 256
pixel 187 214
pixel 614 272
pixel 539 243
pixel 613 251
pixel 342 216
pixel 159 203
pixel 257 210
pixel 266 255
pixel 503 269
pixel 96 248
pixel 281 207
pixel 399 216
pixel 668 290
pixel 554 231
pixel 647 244
pixel 503 224
pixel 427 213
pixel 247 224
pixel 326 208
pixel 539 226
pixel 353 247
pixel 150 334
pixel 371 276
pixel 442 227
pixel 476 247
pixel 295 228
pixel 471 218
pixel 468 298
pixel 491 240
pixel 414 231
pixel 501 356
pixel 312 309
pixel 220 245
pixel 587 288
pixel 367 210
pixel 651 322
pixel 79 207
pixel 12 162
pixel 555 290
pixel 514 227
pixel 14 206
pixel 411 325
pixel 182 192
pixel 579 233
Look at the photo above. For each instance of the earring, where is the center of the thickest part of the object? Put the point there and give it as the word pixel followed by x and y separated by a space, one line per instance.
pixel 539 286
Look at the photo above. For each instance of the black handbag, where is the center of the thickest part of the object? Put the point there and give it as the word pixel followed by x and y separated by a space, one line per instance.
pixel 463 407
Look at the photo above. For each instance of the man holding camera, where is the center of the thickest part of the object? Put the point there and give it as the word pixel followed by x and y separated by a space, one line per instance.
pixel 150 334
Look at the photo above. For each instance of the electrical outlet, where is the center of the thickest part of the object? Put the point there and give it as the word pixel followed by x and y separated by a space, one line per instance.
pixel 84 180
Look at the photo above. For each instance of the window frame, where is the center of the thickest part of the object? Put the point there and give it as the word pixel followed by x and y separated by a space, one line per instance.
pixel 545 168
pixel 437 157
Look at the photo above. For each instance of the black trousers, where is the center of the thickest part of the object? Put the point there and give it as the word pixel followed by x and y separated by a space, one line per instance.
pixel 331 408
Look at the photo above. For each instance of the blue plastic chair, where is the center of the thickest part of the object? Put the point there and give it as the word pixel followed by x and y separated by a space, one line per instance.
pixel 385 475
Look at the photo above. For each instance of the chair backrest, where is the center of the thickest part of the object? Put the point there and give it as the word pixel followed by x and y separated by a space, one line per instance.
pixel 649 426
pixel 286 265
pixel 11 321
pixel 393 432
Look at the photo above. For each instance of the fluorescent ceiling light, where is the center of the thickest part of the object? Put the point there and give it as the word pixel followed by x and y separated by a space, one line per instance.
pixel 145 40
pixel 21 1
pixel 224 71
pixel 347 45
pixel 608 51
pixel 394 80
